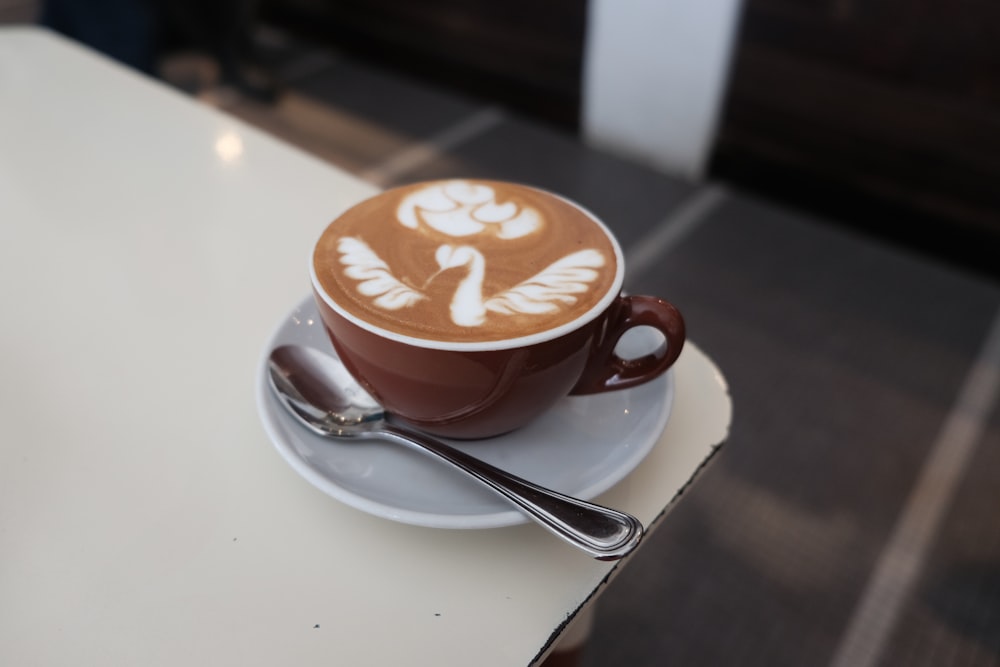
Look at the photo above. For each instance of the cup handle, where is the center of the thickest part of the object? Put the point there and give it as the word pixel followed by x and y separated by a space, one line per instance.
pixel 606 371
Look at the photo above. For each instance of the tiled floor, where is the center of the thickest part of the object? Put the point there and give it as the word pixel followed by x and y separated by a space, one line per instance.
pixel 851 518
pixel 18 11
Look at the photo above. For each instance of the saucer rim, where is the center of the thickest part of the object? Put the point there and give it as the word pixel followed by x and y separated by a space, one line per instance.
pixel 271 413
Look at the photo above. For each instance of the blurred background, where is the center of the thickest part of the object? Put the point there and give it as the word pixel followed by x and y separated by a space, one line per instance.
pixel 882 114
pixel 887 106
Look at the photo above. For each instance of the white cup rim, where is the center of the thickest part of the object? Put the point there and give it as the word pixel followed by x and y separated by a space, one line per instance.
pixel 578 322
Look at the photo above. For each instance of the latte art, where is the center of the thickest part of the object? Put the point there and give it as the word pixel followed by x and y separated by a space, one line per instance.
pixel 466 261
pixel 542 293
pixel 460 208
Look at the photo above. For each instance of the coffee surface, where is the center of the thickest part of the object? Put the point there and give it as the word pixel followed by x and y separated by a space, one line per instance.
pixel 465 261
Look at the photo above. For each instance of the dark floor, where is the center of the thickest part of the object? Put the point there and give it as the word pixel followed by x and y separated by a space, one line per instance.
pixel 851 519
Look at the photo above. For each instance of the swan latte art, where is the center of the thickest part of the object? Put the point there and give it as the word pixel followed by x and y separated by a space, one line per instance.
pixel 467 261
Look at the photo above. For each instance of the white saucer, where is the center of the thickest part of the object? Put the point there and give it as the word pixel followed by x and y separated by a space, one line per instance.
pixel 581 447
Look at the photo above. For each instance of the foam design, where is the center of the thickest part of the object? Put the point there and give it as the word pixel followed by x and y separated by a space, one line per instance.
pixel 375 278
pixel 464 260
pixel 461 208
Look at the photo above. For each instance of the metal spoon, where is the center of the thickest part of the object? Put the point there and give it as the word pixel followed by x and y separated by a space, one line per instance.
pixel 317 389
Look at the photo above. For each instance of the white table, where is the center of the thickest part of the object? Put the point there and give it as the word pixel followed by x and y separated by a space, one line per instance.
pixel 145 518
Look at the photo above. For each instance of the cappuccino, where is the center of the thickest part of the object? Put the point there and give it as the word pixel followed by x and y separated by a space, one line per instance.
pixel 467 261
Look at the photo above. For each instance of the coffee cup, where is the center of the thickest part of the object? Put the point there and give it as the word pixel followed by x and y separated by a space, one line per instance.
pixel 467 308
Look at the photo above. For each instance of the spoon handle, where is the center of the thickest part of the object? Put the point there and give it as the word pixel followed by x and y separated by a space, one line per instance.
pixel 604 533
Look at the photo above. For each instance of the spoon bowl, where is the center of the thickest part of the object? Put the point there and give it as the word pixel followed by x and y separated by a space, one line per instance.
pixel 318 391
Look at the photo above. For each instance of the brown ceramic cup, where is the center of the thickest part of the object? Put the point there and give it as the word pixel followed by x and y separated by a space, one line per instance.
pixel 489 382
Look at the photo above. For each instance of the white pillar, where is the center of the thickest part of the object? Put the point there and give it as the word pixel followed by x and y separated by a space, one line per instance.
pixel 654 78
